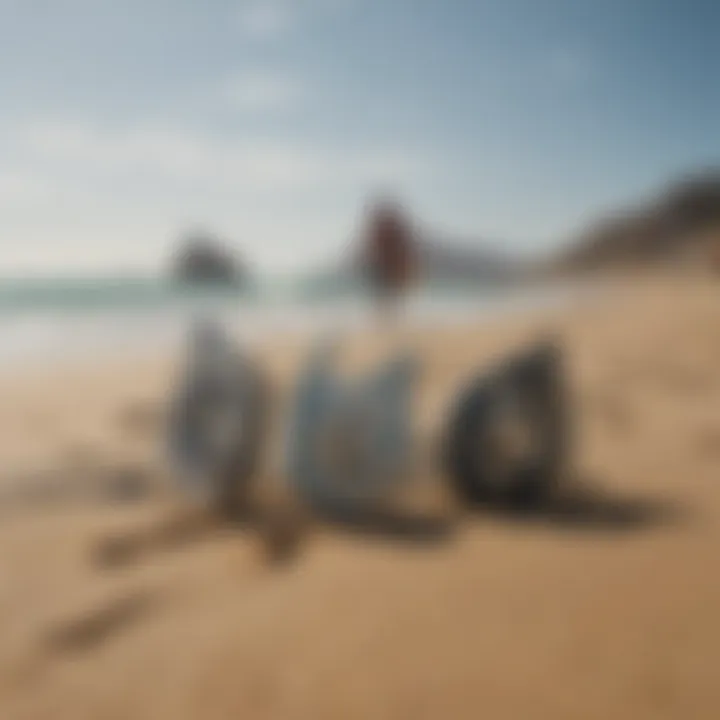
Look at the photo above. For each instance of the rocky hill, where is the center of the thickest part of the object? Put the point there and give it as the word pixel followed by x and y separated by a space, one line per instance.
pixel 447 260
pixel 681 224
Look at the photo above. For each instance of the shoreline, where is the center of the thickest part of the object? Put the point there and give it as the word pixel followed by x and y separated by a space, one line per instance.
pixel 45 340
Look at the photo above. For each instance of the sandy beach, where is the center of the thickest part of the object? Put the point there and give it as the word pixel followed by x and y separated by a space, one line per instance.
pixel 605 608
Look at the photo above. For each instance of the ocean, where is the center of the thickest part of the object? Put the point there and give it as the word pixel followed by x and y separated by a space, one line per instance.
pixel 42 320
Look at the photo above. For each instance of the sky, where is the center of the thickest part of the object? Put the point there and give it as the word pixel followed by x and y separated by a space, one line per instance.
pixel 271 122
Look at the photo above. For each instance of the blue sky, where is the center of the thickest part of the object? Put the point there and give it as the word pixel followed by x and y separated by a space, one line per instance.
pixel 270 121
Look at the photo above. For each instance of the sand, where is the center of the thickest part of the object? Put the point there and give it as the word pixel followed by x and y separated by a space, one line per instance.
pixel 601 609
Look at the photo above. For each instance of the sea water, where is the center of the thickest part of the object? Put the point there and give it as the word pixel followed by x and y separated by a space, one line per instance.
pixel 45 319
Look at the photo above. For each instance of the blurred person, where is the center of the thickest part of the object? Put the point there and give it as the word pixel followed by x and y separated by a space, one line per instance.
pixel 389 255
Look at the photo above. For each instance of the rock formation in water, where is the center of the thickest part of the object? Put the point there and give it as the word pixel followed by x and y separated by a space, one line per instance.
pixel 203 258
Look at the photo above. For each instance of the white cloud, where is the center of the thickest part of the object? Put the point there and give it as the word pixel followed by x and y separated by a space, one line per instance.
pixel 19 188
pixel 84 194
pixel 256 91
pixel 164 153
pixel 167 154
pixel 264 19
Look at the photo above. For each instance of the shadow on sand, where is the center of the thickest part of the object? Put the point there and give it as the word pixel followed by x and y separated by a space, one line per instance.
pixel 93 627
pixel 109 483
pixel 580 505
pixel 390 524
pixel 585 505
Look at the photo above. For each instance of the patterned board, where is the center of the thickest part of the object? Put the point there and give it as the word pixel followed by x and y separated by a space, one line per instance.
pixel 508 434
pixel 350 441
pixel 217 419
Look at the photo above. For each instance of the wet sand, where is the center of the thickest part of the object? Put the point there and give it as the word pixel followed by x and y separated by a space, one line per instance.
pixel 596 608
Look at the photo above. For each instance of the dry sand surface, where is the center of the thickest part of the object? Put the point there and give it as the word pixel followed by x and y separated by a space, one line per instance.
pixel 608 608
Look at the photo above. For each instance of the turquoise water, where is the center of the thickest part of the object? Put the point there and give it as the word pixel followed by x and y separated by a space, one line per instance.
pixel 99 294
pixel 42 319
